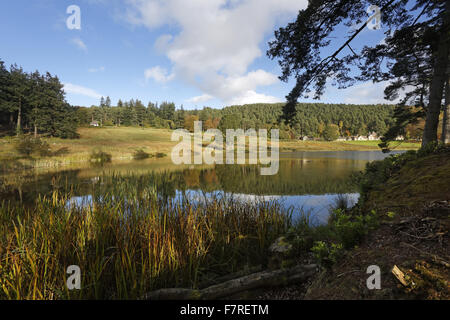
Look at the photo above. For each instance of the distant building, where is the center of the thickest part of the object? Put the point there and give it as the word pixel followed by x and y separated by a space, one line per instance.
pixel 305 138
pixel 400 138
pixel 373 136
pixel 94 124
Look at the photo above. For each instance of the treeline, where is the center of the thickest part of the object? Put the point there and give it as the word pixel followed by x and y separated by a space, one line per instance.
pixel 132 113
pixel 314 120
pixel 34 102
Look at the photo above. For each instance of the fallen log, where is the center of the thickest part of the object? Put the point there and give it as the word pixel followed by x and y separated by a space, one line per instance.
pixel 253 281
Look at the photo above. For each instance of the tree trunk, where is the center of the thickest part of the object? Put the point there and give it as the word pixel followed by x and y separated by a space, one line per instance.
pixel 35 130
pixel 437 86
pixel 19 118
pixel 229 288
pixel 446 121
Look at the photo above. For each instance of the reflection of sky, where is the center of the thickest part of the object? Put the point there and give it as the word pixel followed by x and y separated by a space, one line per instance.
pixel 81 201
pixel 316 206
pixel 353 155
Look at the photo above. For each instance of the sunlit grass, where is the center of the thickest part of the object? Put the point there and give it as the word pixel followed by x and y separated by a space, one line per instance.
pixel 122 143
pixel 130 239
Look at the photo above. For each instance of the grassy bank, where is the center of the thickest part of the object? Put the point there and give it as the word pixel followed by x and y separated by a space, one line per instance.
pixel 293 145
pixel 122 143
pixel 410 195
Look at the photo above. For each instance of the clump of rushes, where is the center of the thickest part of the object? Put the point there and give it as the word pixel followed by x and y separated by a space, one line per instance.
pixel 99 156
pixel 129 240
pixel 141 155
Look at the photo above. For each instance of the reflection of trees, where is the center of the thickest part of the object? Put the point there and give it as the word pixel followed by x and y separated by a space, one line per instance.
pixel 295 177
pixel 28 186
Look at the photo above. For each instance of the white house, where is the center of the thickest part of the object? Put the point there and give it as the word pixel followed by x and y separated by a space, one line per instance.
pixel 373 136
pixel 94 124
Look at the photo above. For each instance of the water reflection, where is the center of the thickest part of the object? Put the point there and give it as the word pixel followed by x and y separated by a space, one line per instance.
pixel 306 182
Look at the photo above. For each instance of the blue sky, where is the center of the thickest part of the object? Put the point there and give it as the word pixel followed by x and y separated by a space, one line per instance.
pixel 194 53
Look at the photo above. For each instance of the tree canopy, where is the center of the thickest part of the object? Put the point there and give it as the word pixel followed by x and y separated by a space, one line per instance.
pixel 34 102
pixel 413 57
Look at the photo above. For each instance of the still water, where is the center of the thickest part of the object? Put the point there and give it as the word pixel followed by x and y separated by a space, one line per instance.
pixel 307 182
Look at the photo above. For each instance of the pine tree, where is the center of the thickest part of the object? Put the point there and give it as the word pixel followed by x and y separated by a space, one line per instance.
pixel 416 49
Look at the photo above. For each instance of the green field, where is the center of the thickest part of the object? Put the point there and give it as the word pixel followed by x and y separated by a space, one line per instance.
pixel 121 143
pixel 292 145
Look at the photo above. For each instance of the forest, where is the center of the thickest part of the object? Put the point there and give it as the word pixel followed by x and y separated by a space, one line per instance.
pixel 315 120
pixel 34 103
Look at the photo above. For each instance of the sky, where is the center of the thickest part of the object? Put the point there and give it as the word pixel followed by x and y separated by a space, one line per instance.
pixel 195 53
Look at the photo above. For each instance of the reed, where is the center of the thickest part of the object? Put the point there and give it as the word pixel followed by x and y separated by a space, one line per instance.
pixel 130 238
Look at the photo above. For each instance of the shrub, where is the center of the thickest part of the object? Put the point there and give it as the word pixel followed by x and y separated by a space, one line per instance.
pixel 140 155
pixel 327 254
pixel 28 145
pixel 160 155
pixel 351 230
pixel 100 157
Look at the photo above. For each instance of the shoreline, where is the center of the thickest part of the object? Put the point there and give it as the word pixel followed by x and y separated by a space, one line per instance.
pixel 122 142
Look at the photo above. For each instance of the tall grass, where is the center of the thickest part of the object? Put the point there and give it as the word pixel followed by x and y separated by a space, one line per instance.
pixel 129 240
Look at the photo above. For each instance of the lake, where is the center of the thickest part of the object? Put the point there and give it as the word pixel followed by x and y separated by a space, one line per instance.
pixel 307 182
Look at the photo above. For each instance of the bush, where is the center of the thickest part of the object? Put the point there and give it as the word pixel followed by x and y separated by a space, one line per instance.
pixel 160 155
pixel 327 254
pixel 100 157
pixel 28 145
pixel 141 155
pixel 350 231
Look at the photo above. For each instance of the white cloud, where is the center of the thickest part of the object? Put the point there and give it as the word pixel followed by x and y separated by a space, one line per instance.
pixel 217 42
pixel 200 99
pixel 162 43
pixel 158 74
pixel 94 70
pixel 366 93
pixel 79 90
pixel 251 96
pixel 80 44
